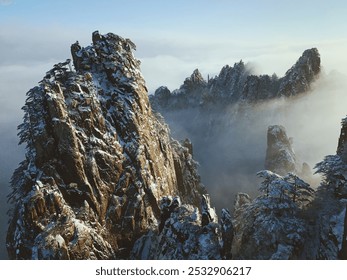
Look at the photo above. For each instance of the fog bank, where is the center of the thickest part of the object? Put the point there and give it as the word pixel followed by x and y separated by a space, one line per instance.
pixel 230 145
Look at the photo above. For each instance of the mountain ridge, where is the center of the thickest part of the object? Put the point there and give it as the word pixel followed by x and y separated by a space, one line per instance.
pixel 237 83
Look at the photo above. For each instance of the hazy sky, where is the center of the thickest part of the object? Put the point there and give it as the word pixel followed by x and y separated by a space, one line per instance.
pixel 172 37
pixel 175 37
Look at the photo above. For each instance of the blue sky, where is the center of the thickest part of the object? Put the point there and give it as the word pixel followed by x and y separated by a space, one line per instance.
pixel 175 37
pixel 218 17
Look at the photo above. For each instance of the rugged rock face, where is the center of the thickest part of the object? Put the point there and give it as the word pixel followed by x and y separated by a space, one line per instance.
pixel 190 94
pixel 237 83
pixel 343 252
pixel 259 88
pixel 298 78
pixel 329 207
pixel 98 161
pixel 280 157
pixel 341 147
pixel 230 82
pixel 186 233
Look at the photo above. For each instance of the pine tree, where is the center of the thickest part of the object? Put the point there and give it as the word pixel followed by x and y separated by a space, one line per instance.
pixel 31 128
pixel 273 227
pixel 300 191
pixel 333 170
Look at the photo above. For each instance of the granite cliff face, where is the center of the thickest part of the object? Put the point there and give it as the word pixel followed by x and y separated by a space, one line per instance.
pixel 186 233
pixel 327 214
pixel 298 79
pixel 280 157
pixel 98 161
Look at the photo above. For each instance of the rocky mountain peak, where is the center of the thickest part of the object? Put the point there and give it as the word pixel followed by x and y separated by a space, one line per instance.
pixel 311 58
pixel 299 78
pixel 161 97
pixel 98 160
pixel 112 55
pixel 196 77
pixel 237 84
pixel 280 157
pixel 230 81
pixel 194 84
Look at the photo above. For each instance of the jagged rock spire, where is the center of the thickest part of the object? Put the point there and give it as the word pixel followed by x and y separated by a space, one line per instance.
pixel 98 161
pixel 280 157
pixel 305 71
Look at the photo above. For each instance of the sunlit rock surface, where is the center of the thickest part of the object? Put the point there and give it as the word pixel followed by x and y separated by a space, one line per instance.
pixel 98 161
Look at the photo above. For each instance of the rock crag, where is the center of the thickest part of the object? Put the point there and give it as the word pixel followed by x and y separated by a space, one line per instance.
pixel 238 84
pixel 98 161
pixel 280 156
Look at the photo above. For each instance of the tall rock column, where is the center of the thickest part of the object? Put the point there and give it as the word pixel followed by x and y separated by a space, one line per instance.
pixel 97 162
pixel 280 157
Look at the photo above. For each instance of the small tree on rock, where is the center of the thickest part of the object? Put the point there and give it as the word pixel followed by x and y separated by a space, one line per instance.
pixel 334 172
pixel 273 226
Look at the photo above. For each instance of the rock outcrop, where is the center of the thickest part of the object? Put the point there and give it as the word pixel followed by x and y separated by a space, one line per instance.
pixel 190 94
pixel 280 157
pixel 237 83
pixel 186 232
pixel 299 78
pixel 343 251
pixel 328 212
pixel 98 161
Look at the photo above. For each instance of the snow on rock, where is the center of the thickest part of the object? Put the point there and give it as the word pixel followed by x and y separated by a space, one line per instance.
pixel 227 230
pixel 283 252
pixel 98 160
pixel 338 226
pixel 328 211
pixel 237 84
pixel 280 156
pixel 272 226
pixel 299 78
pixel 183 234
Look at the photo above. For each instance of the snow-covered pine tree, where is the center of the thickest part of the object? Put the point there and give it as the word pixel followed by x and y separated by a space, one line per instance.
pixel 300 191
pixel 333 170
pixel 275 197
pixel 269 177
pixel 31 128
pixel 273 226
